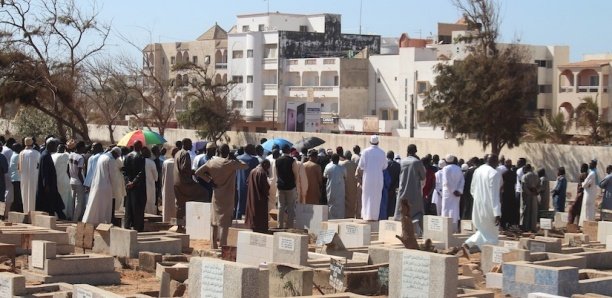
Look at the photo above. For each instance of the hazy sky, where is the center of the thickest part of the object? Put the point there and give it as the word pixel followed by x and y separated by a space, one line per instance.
pixel 583 25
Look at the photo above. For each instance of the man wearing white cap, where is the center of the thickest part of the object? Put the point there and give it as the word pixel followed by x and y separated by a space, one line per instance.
pixel 452 188
pixel 28 169
pixel 436 197
pixel 371 166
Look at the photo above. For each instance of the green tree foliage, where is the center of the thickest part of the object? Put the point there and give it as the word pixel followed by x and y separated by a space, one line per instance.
pixel 209 110
pixel 30 122
pixel 548 129
pixel 587 117
pixel 487 93
pixel 49 41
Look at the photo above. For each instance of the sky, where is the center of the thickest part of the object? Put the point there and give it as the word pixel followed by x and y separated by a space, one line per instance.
pixel 582 25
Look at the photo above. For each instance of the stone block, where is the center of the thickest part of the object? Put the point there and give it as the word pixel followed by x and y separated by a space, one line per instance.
pixel 164 285
pixel 494 280
pixel 492 255
pixel 289 280
pixel 379 254
pixel 541 244
pixel 355 235
pixel 44 221
pixel 147 261
pixel 468 293
pixel 12 284
pixel 467 227
pixel 123 243
pixel 41 251
pixel 575 239
pixel 197 220
pixel 162 245
pixel 310 217
pixel 179 272
pixel 609 242
pixel 8 250
pixel 102 240
pixel 232 236
pixel 88 291
pixel 604 228
pixel 290 248
pixel 422 274
pixel 18 217
pixel 438 229
pixel 561 220
pixel 542 295
pixel 590 228
pixel 210 277
pixel 521 278
pixel 183 237
pixel 175 258
pixel 254 248
pixel 388 230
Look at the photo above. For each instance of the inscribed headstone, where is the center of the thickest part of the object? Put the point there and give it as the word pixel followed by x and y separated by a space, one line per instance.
pixel 336 274
pixel 537 246
pixel 82 293
pixel 434 223
pixel 212 280
pixel 415 282
pixel 286 243
pixel 498 253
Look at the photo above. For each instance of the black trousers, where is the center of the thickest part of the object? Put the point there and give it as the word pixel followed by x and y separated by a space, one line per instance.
pixel 134 209
pixel 17 205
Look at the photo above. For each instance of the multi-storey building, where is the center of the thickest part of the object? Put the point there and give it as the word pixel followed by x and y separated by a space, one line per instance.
pixel 399 82
pixel 208 51
pixel 278 58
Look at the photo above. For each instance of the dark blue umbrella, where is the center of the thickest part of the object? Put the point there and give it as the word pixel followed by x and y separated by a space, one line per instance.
pixel 280 142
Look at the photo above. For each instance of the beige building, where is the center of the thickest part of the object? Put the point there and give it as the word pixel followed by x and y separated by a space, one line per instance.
pixel 209 51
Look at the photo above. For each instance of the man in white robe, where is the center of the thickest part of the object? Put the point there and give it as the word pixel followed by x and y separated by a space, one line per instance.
pixel 436 197
pixel 92 162
pixel 486 211
pixel 151 176
pixel 119 189
pixel 371 165
pixel 590 185
pixel 29 160
pixel 452 189
pixel 103 187
pixel 60 160
pixel 168 198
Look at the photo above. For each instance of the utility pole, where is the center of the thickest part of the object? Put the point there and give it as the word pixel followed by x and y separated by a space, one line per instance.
pixel 360 13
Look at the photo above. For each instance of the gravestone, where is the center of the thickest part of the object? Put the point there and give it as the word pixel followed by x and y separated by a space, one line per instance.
pixel 388 229
pixel 12 284
pixel 492 255
pixel 422 274
pixel 439 229
pixel 254 248
pixel 290 248
pixel 310 217
pixel 541 244
pixel 467 227
pixel 290 280
pixel 604 228
pixel 216 278
pixel 354 234
pixel 198 219
pixel 88 291
pixel 42 250
pixel 521 278
pixel 561 220
pixel 590 228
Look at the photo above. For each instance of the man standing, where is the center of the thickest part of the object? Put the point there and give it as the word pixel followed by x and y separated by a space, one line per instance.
pixel 352 198
pixel 560 190
pixel 4 165
pixel 96 152
pixel 185 188
pixel 251 160
pixel 436 197
pixel 287 171
pixel 411 175
pixel 103 189
pixel 17 204
pixel 221 172
pixel 257 198
pixel 76 162
pixel 452 188
pixel 371 165
pixel 152 175
pixel 29 160
pixel 590 193
pixel 336 176
pixel 60 160
pixel 510 206
pixel 315 178
pixel 530 187
pixel 520 163
pixel 486 215
pixel 168 198
pixel 606 185
pixel 394 169
pixel 467 199
pixel 136 186
pixel 48 198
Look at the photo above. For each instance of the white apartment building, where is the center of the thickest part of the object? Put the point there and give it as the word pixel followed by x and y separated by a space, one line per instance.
pixel 398 82
pixel 278 58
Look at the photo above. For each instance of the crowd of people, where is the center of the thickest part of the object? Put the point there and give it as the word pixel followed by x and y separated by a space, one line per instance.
pixel 86 183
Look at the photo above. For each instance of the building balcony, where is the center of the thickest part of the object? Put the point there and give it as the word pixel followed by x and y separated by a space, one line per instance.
pixel 270 115
pixel 591 89
pixel 270 89
pixel 220 65
pixel 313 91
pixel 566 89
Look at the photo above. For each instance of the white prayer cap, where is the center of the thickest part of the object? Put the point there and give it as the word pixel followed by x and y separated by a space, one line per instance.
pixel 374 140
pixel 450 158
pixel 441 164
pixel 397 156
pixel 464 167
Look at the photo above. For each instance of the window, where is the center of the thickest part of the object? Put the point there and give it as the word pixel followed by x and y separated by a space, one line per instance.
pixel 245 28
pixel 249 53
pixel 336 80
pixel 249 79
pixel 545 88
pixel 422 87
pixel 207 59
pixel 237 54
pixel 421 117
pixel 310 62
pixel 384 115
pixel 395 115
pixel 261 27
pixel 236 104
pixel 249 104
pixel 172 60
pixel 237 79
pixel 194 59
pixel 303 28
pixel 378 79
pixel 544 63
pixel 594 81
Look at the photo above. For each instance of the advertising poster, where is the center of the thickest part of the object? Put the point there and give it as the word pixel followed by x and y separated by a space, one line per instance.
pixel 303 116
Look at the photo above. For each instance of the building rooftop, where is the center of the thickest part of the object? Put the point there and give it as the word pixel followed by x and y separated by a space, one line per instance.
pixel 215 32
pixel 587 63
pixel 283 14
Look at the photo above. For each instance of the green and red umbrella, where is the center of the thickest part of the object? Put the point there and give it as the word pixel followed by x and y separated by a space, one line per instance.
pixel 147 138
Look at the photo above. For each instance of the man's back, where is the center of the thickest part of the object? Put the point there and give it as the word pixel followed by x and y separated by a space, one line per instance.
pixel 411 175
pixel 285 177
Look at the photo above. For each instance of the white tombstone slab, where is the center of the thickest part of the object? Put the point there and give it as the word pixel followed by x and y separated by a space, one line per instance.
pixel 197 220
pixel 310 217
